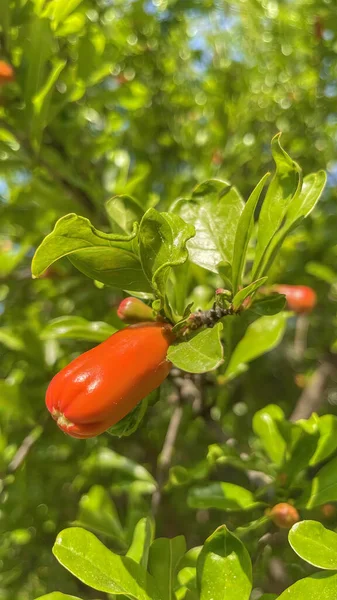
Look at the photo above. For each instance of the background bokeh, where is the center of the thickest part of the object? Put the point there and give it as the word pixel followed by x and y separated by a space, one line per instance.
pixel 145 98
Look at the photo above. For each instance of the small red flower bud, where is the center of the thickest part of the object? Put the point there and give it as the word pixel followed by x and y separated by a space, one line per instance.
pixel 6 72
pixel 132 310
pixel 101 386
pixel 283 515
pixel 300 298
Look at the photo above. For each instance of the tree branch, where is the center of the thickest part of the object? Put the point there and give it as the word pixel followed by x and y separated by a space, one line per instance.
pixel 25 447
pixel 165 457
pixel 312 396
pixel 301 336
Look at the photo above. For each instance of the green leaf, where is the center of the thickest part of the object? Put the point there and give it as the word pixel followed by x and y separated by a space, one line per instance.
pixel 323 487
pixel 306 200
pixel 41 101
pixel 322 272
pixel 98 513
pixel 244 232
pixel 224 569
pixel 191 557
pixel 106 461
pixel 141 541
pixel 57 596
pixel 214 209
pixel 59 10
pixel 270 305
pixel 91 562
pixel 327 443
pixel 77 328
pixel 162 245
pixel 107 257
pixel 187 577
pixel 37 50
pixel 315 544
pixel 164 557
pixel 221 495
pixel 247 291
pixel 261 336
pixel 301 452
pixel 123 212
pixel 316 587
pixel 282 189
pixel 130 423
pixel 300 207
pixel 202 352
pixel 266 425
pixel 10 339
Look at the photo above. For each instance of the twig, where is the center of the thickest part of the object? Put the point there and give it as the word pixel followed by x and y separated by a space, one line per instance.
pixel 301 336
pixel 25 447
pixel 165 457
pixel 312 395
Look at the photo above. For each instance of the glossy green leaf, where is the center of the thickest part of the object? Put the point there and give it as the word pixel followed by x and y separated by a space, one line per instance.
pixel 283 187
pixel 191 557
pixel 247 291
pixel 323 487
pixel 266 424
pixel 244 232
pixel 57 596
pixel 315 544
pixel 164 556
pixel 106 257
pixel 268 597
pixel 162 245
pixel 261 336
pixel 321 586
pixel 188 577
pixel 221 495
pixel 200 353
pixel 305 202
pixel 77 328
pixel 91 562
pixel 270 305
pixel 214 209
pixel 300 207
pixel 141 541
pixel 98 513
pixel 224 569
pixel 123 211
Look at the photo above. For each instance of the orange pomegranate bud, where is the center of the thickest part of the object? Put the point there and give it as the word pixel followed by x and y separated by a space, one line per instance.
pixel 300 298
pixel 6 72
pixel 283 515
pixel 101 386
pixel 132 310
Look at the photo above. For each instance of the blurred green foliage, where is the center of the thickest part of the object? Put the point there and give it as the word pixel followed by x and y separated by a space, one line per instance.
pixel 149 98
